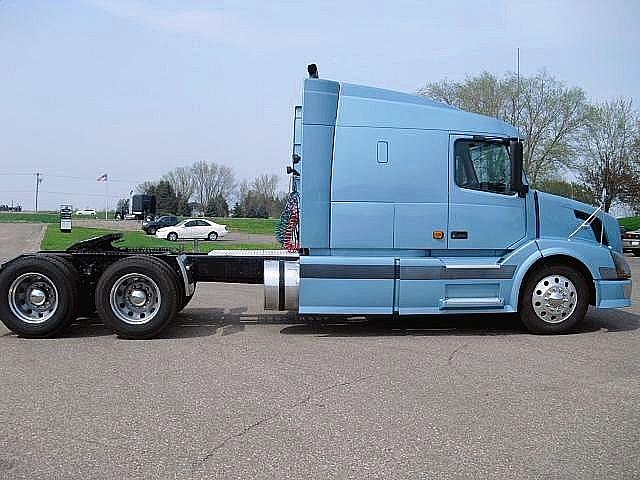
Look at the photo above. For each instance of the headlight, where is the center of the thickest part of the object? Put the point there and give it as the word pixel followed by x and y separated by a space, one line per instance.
pixel 622 267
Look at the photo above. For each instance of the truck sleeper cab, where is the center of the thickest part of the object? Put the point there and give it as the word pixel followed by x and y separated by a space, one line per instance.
pixel 410 206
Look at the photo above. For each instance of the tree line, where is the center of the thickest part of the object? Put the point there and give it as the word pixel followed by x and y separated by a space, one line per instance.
pixel 573 147
pixel 210 189
pixel 596 144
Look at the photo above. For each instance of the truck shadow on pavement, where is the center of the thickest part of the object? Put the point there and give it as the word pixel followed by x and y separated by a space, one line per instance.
pixel 193 322
pixel 203 322
pixel 452 325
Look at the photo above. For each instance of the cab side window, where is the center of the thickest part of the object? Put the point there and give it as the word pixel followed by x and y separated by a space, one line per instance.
pixel 483 165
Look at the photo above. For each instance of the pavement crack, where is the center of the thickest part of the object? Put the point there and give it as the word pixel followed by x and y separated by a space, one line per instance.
pixel 303 401
pixel 455 351
pixel 309 396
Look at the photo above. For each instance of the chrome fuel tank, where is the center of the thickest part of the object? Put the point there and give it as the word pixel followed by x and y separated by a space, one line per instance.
pixel 281 281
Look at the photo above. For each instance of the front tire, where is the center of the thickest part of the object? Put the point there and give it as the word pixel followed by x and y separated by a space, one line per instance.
pixel 213 236
pixel 137 297
pixel 554 299
pixel 37 296
pixel 151 231
pixel 172 237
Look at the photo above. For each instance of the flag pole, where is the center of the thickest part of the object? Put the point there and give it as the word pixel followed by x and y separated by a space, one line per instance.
pixel 106 197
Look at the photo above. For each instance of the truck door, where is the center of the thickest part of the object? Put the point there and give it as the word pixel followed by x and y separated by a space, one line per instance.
pixel 484 212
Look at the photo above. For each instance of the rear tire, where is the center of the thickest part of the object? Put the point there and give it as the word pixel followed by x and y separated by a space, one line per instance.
pixel 83 301
pixel 637 252
pixel 554 299
pixel 37 296
pixel 137 297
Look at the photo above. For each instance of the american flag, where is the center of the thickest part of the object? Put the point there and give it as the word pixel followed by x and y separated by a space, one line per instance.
pixel 102 178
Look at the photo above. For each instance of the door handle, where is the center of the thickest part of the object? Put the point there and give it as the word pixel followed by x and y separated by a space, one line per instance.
pixel 459 235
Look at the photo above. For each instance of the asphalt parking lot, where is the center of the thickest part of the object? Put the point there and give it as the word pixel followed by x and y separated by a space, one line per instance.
pixel 234 392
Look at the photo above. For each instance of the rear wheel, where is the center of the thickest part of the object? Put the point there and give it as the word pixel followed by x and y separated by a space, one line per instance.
pixel 637 252
pixel 84 301
pixel 37 296
pixel 554 299
pixel 137 297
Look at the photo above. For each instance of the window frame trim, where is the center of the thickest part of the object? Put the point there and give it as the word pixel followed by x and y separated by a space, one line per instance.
pixel 497 140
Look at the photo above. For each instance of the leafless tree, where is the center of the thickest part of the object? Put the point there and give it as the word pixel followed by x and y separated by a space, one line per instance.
pixel 211 180
pixel 266 185
pixel 182 181
pixel 547 113
pixel 609 147
pixel 146 187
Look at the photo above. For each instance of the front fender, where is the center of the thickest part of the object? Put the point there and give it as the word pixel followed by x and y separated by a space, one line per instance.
pixel 592 256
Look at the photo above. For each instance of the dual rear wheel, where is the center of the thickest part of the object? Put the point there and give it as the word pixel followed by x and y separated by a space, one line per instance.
pixel 38 295
pixel 137 297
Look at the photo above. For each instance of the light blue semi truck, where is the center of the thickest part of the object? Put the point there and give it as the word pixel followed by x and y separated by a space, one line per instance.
pixel 400 206
pixel 411 207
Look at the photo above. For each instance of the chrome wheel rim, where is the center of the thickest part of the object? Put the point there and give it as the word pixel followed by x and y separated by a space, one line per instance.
pixel 135 299
pixel 554 299
pixel 33 298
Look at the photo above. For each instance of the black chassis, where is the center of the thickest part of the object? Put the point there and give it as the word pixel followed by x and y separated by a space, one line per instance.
pixel 91 257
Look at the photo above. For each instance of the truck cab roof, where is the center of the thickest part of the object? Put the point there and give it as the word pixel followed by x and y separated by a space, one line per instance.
pixel 363 106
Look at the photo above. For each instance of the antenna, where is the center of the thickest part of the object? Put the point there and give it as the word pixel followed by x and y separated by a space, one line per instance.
pixel 517 112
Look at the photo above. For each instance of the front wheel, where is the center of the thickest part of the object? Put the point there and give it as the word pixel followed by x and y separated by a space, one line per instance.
pixel 554 299
pixel 151 231
pixel 213 236
pixel 172 237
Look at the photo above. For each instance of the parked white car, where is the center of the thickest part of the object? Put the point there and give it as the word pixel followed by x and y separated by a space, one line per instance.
pixel 192 228
pixel 631 242
pixel 86 211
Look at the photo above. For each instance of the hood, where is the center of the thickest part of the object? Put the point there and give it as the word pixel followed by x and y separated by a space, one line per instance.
pixel 560 217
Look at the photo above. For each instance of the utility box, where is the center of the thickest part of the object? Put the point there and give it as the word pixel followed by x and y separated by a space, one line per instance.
pixel 65 218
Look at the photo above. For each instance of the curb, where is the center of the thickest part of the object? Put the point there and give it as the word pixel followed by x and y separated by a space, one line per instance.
pixel 38 240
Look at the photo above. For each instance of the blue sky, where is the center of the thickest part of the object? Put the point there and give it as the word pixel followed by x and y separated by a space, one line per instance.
pixel 135 88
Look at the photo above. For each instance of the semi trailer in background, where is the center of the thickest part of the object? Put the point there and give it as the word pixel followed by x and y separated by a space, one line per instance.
pixel 399 206
pixel 143 206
